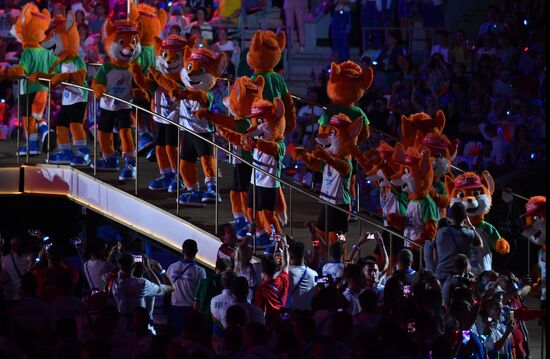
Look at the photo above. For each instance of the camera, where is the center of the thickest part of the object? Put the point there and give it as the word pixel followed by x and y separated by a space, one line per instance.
pixel 321 280
pixel 465 336
pixel 138 258
pixel 370 235
pixel 76 241
pixel 407 290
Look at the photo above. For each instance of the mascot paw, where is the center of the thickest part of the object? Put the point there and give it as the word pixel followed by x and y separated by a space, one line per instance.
pixel 502 246
pixel 33 78
pixel 140 94
pixel 320 152
pixel 247 143
pixel 201 113
pixel 299 152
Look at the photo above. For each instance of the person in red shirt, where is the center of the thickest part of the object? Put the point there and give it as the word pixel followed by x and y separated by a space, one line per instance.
pixel 271 294
pixel 228 235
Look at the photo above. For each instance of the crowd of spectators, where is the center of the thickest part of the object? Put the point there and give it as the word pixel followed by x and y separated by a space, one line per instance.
pixel 295 303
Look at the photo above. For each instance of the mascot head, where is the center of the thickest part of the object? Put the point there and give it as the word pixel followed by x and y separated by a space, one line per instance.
pixel 348 82
pixel 268 120
pixel 265 50
pixel 474 191
pixel 535 220
pixel 243 94
pixel 201 68
pixel 30 27
pixel 339 135
pixel 420 122
pixel 153 21
pixel 416 170
pixel 122 41
pixel 63 38
pixel 169 54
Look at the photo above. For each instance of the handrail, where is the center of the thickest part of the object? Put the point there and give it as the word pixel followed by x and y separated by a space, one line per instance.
pixel 218 147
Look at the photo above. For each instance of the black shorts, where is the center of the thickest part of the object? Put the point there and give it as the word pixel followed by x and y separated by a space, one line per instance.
pixel 353 167
pixel 108 120
pixel 145 104
pixel 241 177
pixel 71 114
pixel 266 198
pixel 193 147
pixel 167 135
pixel 336 219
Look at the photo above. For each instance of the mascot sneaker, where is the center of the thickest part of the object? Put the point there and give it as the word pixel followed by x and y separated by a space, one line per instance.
pixel 210 195
pixel 34 149
pixel 107 165
pixel 46 135
pixel 191 199
pixel 146 140
pixel 61 157
pixel 173 186
pixel 241 226
pixel 162 182
pixel 129 171
pixel 82 157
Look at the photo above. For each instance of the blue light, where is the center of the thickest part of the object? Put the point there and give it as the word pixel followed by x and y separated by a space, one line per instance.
pixel 163 271
pixel 368 181
pixel 37 259
pixel 532 156
pixel 341 12
pixel 508 112
pixel 169 3
pixel 201 45
pixel 374 62
pixel 3 100
pixel 525 22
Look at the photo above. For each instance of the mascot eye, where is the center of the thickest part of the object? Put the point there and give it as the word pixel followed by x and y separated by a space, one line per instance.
pixel 164 54
pixel 189 67
pixel 121 41
pixel 178 55
pixel 134 40
pixel 259 121
pixel 477 193
pixel 203 70
pixel 406 171
pixel 332 132
pixel 460 194
pixel 535 218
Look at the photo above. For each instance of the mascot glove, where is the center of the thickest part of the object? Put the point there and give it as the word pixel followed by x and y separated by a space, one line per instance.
pixel 248 143
pixel 299 152
pixel 502 246
pixel 140 94
pixel 201 113
pixel 320 152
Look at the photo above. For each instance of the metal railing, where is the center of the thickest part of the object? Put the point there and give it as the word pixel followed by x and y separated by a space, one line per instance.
pixel 292 188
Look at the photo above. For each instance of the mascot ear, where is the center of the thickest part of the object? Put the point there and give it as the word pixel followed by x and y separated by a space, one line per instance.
pixel 140 29
pixel 425 163
pixel 418 138
pixel 221 64
pixel 186 54
pixel 46 13
pixel 399 154
pixel 162 17
pixel 439 121
pixel 354 128
pixel 488 181
pixel 366 78
pixel 449 184
pixel 70 20
pixel 256 43
pixel 334 69
pixel 107 28
pixel 239 88
pixel 134 13
pixel 279 108
pixel 281 40
pixel 453 148
pixel 260 82
pixel 193 41
pixel 158 43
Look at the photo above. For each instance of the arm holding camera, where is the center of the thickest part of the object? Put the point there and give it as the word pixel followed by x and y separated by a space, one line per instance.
pixel 365 237
pixel 478 241
pixel 284 255
pixel 151 266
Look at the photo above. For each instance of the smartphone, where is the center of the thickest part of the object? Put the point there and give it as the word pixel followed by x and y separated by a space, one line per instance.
pixel 465 336
pixel 370 235
pixel 341 237
pixel 321 280
pixel 406 290
pixel 138 258
pixel 411 327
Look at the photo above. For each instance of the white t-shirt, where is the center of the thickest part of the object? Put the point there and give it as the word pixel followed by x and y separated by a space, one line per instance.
pixel 13 267
pixel 163 105
pixel 388 203
pixel 332 189
pixel 334 268
pixel 187 117
pixel 72 95
pixel 301 287
pixel 219 305
pixel 130 292
pixel 253 273
pixel 353 302
pixel 119 84
pixel 186 276
pixel 94 269
pixel 267 163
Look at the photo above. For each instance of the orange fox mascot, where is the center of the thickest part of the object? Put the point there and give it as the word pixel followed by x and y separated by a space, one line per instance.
pixel 121 39
pixel 63 40
pixel 476 194
pixel 420 122
pixel 169 63
pixel 239 102
pixel 153 22
pixel 336 140
pixel 199 75
pixel 264 138
pixel 30 31
pixel 420 222
pixel 535 231
pixel 264 54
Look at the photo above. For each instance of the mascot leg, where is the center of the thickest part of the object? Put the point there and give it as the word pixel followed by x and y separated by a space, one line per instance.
pixel 82 155
pixel 188 172
pixel 281 207
pixel 38 107
pixel 209 169
pixel 127 141
pixel 64 154
pixel 166 177
pixel 172 153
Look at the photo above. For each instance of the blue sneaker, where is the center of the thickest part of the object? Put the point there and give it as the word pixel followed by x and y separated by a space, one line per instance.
pixel 209 195
pixel 129 171
pixel 241 226
pixel 34 149
pixel 107 165
pixel 162 182
pixel 151 155
pixel 61 157
pixel 146 140
pixel 191 199
pixel 82 157
pixel 173 186
pixel 263 241
pixel 46 135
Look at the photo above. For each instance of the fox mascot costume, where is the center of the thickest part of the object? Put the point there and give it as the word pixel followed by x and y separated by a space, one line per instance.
pixel 121 40
pixel 264 138
pixel 239 102
pixel 476 194
pixel 153 22
pixel 420 222
pixel 30 31
pixel 199 75
pixel 535 231
pixel 336 140
pixel 169 62
pixel 264 54
pixel 63 40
